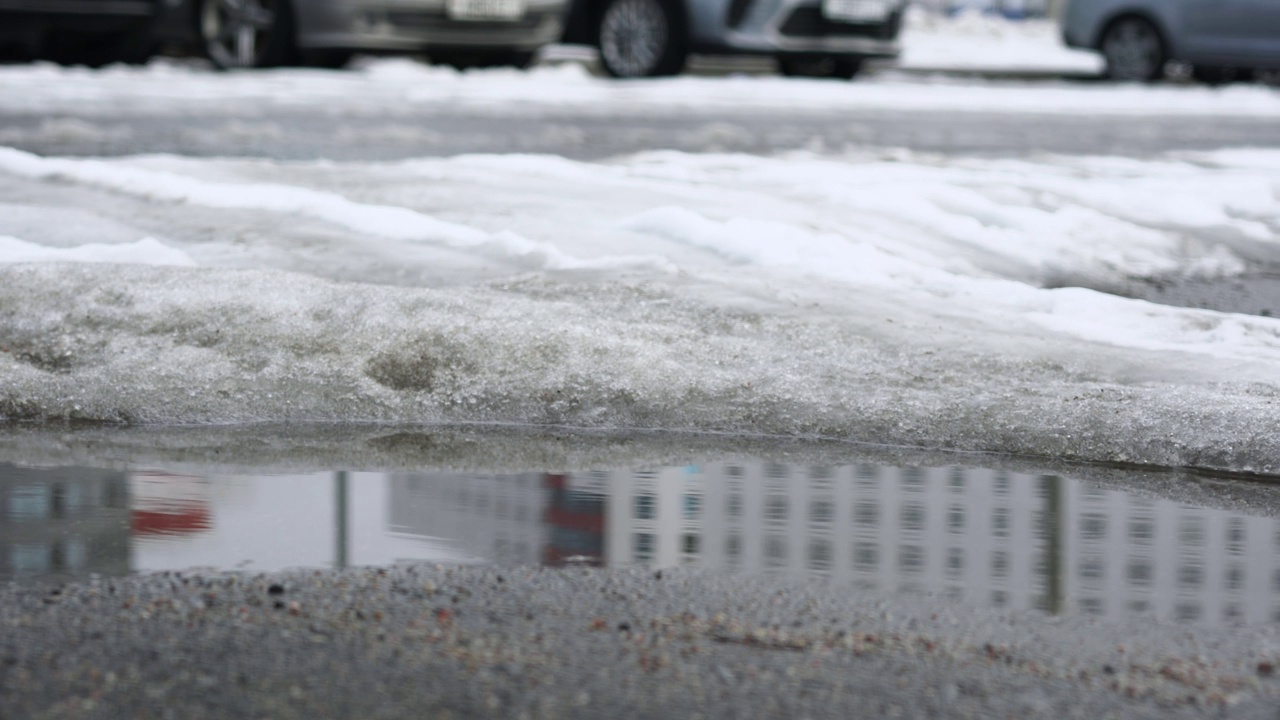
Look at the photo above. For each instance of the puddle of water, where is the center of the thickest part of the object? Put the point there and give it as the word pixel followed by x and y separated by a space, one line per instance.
pixel 980 536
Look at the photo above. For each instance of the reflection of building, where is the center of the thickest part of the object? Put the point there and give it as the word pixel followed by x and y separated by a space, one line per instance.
pixel 497 517
pixel 981 535
pixel 63 521
pixel 168 504
pixel 575 519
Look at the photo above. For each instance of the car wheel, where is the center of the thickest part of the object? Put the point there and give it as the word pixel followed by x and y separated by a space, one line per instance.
pixel 641 38
pixel 247 33
pixel 1133 50
pixel 839 67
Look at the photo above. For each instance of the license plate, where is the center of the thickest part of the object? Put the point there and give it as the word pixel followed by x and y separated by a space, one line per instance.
pixel 855 10
pixel 485 9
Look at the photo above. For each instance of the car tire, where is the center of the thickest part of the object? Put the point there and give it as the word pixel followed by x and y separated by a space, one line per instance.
pixel 642 38
pixel 237 34
pixel 1134 50
pixel 836 67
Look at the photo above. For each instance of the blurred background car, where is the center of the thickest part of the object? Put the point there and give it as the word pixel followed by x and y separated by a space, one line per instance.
pixel 78 32
pixel 813 38
pixel 267 33
pixel 1222 40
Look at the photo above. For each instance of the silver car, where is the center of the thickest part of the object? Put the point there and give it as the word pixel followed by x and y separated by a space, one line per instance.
pixel 260 33
pixel 823 38
pixel 1220 39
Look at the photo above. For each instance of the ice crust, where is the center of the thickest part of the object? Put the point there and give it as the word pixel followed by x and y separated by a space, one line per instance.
pixel 169 345
pixel 880 297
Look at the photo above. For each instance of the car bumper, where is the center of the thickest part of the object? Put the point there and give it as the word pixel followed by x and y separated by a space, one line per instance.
pixel 802 28
pixel 412 25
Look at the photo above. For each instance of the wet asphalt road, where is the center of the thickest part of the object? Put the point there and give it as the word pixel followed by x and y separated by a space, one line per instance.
pixel 295 135
pixel 355 133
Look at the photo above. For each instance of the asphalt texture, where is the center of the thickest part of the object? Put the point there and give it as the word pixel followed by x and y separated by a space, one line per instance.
pixel 459 642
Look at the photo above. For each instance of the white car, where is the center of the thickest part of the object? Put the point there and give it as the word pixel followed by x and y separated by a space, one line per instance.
pixel 826 38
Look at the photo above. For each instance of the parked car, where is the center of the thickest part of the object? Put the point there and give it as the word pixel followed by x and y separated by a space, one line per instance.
pixel 265 33
pixel 819 38
pixel 89 32
pixel 1220 39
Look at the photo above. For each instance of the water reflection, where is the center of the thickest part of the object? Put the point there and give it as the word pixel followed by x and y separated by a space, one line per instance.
pixel 979 536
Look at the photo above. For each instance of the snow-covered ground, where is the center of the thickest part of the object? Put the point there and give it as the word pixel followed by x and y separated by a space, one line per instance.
pixel 978 42
pixel 883 296
pixel 878 295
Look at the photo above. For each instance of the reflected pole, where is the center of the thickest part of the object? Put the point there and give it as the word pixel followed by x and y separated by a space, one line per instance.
pixel 340 519
pixel 1055 545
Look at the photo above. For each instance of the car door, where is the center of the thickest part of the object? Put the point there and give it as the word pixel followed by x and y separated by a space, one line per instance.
pixel 1241 32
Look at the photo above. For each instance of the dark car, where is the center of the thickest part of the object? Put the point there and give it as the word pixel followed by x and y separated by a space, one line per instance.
pixel 265 33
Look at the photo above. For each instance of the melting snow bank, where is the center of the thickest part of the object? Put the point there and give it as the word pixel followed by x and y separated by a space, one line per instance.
pixel 138 344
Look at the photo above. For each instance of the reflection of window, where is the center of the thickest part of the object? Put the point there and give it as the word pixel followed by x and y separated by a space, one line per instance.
pixel 775 550
pixel 820 472
pixel 955 561
pixel 1092 568
pixel 690 543
pixel 820 555
pixel 776 471
pixel 1139 572
pixel 1138 606
pixel 821 511
pixel 775 508
pixel 1002 483
pixel 866 513
pixel 1235 577
pixel 646 507
pixel 643 547
pixel 1235 536
pixel 1000 522
pixel 911 558
pixel 733 506
pixel 1093 526
pixel 956 481
pixel 913 479
pixel 29 502
pixel 30 558
pixel 867 472
pixel 866 556
pixel 1141 530
pixel 646 474
pixel 1232 612
pixel 1092 606
pixel 1191 531
pixel 1187 611
pixel 912 516
pixel 955 519
pixel 692 506
pixel 999 598
pixel 1190 576
pixel 733 471
pixel 999 564
pixel 733 547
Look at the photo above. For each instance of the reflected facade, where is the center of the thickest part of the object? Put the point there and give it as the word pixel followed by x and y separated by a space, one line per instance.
pixel 978 536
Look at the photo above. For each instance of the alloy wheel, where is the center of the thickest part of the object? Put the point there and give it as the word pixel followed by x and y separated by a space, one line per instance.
pixel 634 37
pixel 237 33
pixel 1134 51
